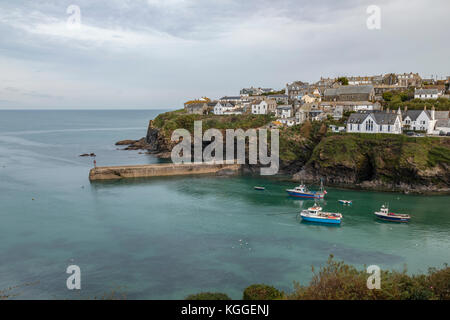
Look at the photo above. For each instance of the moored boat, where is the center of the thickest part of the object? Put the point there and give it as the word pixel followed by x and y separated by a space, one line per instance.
pixel 384 214
pixel 346 201
pixel 315 214
pixel 302 192
pixel 259 188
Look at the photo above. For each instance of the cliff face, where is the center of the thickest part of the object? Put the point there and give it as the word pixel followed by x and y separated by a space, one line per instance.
pixel 156 140
pixel 381 162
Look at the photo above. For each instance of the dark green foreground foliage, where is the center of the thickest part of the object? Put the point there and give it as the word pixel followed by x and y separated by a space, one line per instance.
pixel 261 292
pixel 339 281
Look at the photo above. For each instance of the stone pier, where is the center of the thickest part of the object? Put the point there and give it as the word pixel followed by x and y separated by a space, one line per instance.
pixel 160 170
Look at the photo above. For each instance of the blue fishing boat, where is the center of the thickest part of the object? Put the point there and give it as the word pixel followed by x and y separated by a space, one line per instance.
pixel 302 192
pixel 315 214
pixel 384 214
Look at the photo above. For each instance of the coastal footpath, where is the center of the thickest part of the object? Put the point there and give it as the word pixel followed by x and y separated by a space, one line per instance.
pixel 160 170
pixel 310 152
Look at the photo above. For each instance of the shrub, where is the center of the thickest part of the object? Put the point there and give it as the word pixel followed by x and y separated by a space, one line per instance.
pixel 339 281
pixel 261 292
pixel 208 296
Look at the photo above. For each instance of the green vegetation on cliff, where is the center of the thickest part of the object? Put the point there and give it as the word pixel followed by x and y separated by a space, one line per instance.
pixel 170 121
pixel 389 158
pixel 394 100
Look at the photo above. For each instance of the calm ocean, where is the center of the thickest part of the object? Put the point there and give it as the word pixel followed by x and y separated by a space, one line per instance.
pixel 165 238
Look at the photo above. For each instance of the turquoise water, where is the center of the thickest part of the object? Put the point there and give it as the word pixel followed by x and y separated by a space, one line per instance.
pixel 164 238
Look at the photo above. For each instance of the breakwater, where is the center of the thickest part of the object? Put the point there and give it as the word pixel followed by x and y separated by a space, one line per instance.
pixel 160 170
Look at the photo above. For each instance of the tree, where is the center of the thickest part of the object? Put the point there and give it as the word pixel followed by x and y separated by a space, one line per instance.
pixel 343 81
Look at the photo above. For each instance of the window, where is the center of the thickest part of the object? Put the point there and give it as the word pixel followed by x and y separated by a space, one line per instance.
pixel 369 125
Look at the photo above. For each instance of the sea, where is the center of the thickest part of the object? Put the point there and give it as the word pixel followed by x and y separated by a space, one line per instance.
pixel 166 238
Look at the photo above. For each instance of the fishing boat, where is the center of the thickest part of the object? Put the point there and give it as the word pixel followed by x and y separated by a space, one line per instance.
pixel 315 214
pixel 345 201
pixel 302 192
pixel 384 214
pixel 259 188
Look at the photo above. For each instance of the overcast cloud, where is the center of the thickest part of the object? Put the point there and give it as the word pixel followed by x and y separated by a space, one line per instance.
pixel 160 53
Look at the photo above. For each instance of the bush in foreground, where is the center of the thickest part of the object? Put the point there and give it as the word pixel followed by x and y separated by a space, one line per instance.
pixel 261 292
pixel 339 281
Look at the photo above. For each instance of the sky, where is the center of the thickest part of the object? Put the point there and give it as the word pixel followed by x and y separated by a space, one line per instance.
pixel 155 54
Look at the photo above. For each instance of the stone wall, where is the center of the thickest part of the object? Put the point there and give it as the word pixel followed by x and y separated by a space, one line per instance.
pixel 160 170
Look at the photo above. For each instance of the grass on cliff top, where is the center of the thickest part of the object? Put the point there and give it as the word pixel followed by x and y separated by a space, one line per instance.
pixel 173 120
pixel 386 150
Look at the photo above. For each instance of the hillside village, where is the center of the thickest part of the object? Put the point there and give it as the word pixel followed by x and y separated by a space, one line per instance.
pixel 355 104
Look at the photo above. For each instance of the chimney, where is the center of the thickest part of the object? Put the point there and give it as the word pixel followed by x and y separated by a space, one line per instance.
pixel 406 108
pixel 425 108
pixel 388 110
pixel 433 111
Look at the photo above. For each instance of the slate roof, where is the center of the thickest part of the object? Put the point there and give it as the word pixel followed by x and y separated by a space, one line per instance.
pixel 355 89
pixel 367 89
pixel 385 118
pixel 357 118
pixel 441 115
pixel 413 114
pixel 231 98
pixel 380 117
pixel 443 123
pixel 330 92
pixel 426 91
pixel 284 107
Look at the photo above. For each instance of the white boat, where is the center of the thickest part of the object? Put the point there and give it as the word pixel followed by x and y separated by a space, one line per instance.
pixel 302 192
pixel 384 214
pixel 315 214
pixel 346 201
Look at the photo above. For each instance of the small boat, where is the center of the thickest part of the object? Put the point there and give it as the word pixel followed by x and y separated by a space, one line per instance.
pixel 315 214
pixel 384 214
pixel 345 201
pixel 302 192
pixel 259 188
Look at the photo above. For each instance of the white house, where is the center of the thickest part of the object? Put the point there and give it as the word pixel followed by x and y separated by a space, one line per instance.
pixel 234 99
pixel 375 122
pixel 222 108
pixel 287 121
pixel 284 111
pixel 426 94
pixel 259 107
pixel 419 120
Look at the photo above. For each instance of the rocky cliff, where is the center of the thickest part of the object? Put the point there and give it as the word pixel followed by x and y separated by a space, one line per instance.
pixel 381 162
